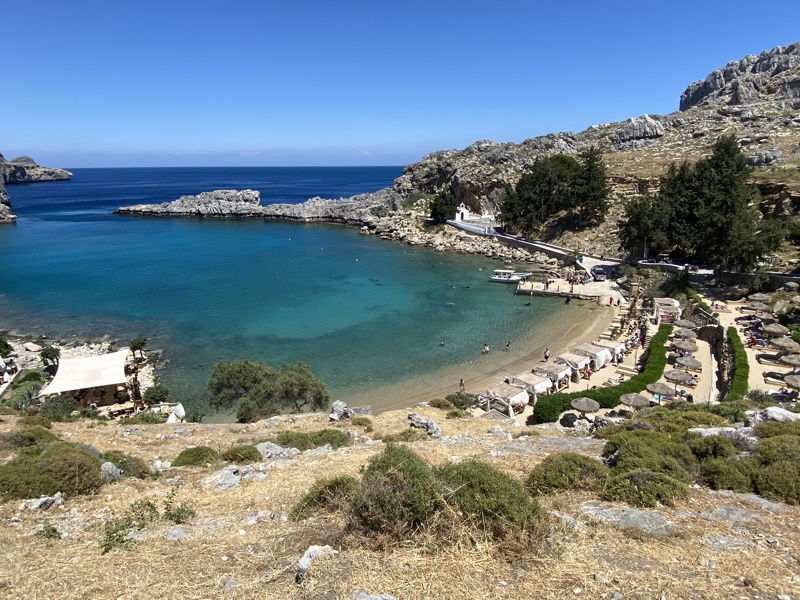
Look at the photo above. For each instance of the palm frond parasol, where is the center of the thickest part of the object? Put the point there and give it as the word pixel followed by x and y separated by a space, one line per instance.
pixel 685 346
pixel 678 376
pixel 689 362
pixel 785 344
pixel 775 329
pixel 662 389
pixel 584 405
pixel 634 400
pixel 685 323
pixel 686 334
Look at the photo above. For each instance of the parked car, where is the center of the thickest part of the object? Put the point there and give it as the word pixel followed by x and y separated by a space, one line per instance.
pixel 598 273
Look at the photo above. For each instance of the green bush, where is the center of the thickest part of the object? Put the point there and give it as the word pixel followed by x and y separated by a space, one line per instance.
pixel 399 494
pixel 407 435
pixel 567 471
pixel 7 410
pixel 179 513
pixel 45 469
pixel 22 438
pixel 144 418
pixel 462 400
pixel 156 394
pixel 778 449
pixel 645 488
pixel 5 347
pixel 482 492
pixel 242 455
pixel 36 376
pixel 723 474
pixel 197 456
pixel 35 420
pixel 711 446
pixel 328 494
pixel 130 466
pixel 48 532
pixel 734 411
pixel 779 481
pixel 58 408
pixel 549 408
pixel 457 413
pixel 770 429
pixel 651 451
pixel 361 421
pixel 440 403
pixel 312 439
pixel 676 419
pixel 741 367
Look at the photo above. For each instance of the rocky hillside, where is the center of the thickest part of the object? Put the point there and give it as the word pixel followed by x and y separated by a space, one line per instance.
pixel 25 170
pixel 6 215
pixel 756 98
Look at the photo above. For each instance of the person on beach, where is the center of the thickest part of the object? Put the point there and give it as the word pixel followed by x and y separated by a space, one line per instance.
pixel 508 346
pixel 486 349
pixel 462 387
pixel 546 353
pixel 442 344
pixel 611 301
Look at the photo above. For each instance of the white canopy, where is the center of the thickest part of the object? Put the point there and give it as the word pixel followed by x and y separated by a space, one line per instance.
pixel 576 361
pixel 554 371
pixel 533 383
pixel 88 372
pixel 508 397
pixel 598 354
pixel 615 347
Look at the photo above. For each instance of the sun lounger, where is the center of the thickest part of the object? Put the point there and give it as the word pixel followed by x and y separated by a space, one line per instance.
pixel 771 360
pixel 773 380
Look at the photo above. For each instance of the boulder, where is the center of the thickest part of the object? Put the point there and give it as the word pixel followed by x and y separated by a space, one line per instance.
pixel 791 286
pixel 639 128
pixel 360 594
pixel 31 347
pixel 42 503
pixel 109 472
pixel 764 158
pixel 771 413
pixel 224 479
pixel 269 450
pixel 429 425
pixel 568 420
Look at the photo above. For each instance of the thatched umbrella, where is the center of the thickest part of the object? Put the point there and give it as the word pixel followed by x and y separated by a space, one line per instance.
pixel 758 298
pixel 686 334
pixel 757 306
pixel 775 329
pixel 689 362
pixel 685 346
pixel 793 381
pixel 785 344
pixel 584 405
pixel 685 323
pixel 662 389
pixel 634 400
pixel 766 318
pixel 791 359
pixel 678 376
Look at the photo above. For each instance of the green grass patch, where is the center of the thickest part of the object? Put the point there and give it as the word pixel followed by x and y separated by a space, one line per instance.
pixel 242 455
pixel 567 471
pixel 440 403
pixel 328 494
pixel 549 408
pixel 741 367
pixel 407 435
pixel 130 466
pixel 645 488
pixel 309 440
pixel 34 420
pixel 197 456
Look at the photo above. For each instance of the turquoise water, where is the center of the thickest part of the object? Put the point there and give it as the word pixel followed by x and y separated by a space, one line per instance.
pixel 362 312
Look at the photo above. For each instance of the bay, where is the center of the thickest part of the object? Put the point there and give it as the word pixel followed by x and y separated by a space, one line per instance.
pixel 363 313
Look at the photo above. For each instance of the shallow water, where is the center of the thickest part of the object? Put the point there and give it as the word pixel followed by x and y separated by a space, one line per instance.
pixel 362 312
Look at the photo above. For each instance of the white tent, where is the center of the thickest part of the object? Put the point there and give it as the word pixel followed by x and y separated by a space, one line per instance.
pixel 88 372
pixel 535 384
pixel 556 372
pixel 509 398
pixel 578 362
pixel 598 354
pixel 616 348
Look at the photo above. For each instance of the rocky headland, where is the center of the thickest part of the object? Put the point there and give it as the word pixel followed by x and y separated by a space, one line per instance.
pixel 25 170
pixel 219 204
pixel 6 216
pixel 756 98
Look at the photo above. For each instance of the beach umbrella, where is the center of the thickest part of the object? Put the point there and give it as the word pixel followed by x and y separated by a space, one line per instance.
pixel 791 359
pixel 678 376
pixel 634 400
pixel 793 381
pixel 686 324
pixel 689 362
pixel 785 344
pixel 686 334
pixel 757 306
pixel 685 346
pixel 662 389
pixel 775 329
pixel 584 405
pixel 758 298
pixel 766 318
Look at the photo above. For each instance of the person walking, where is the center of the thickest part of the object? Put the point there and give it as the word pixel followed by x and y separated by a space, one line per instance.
pixel 546 353
pixel 486 349
pixel 508 346
pixel 462 387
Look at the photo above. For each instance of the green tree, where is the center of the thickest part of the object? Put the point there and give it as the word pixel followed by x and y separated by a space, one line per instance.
pixel 5 347
pixel 50 354
pixel 443 206
pixel 156 394
pixel 137 345
pixel 592 186
pixel 644 225
pixel 257 391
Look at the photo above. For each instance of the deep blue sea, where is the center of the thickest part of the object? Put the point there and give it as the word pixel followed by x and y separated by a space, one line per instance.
pixel 367 315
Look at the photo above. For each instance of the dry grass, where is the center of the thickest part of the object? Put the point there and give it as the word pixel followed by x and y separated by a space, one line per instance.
pixel 262 557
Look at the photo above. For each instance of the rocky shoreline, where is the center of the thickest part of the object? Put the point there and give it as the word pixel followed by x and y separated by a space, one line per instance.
pixel 23 170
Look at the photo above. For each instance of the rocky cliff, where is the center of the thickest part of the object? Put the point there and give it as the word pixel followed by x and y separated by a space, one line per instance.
pixel 5 206
pixel 25 170
pixel 220 204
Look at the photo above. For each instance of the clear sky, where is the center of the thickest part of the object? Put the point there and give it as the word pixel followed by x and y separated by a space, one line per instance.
pixel 372 82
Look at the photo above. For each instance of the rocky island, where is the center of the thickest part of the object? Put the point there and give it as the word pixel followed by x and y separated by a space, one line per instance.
pixel 23 170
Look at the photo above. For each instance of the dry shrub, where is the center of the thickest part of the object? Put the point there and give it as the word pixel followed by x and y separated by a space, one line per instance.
pixel 242 455
pixel 130 466
pixel 308 440
pixel 34 421
pixel 327 494
pixel 440 403
pixel 567 471
pixel 645 488
pixel 407 435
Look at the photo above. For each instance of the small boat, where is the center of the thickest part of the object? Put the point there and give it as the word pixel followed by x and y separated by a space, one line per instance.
pixel 507 276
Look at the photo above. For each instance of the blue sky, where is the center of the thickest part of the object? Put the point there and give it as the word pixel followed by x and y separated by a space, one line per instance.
pixel 90 83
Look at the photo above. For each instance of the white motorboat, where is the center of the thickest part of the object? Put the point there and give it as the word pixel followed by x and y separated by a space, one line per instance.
pixel 507 276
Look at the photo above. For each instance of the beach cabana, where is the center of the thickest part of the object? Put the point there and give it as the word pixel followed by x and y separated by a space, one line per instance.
pixel 617 348
pixel 535 385
pixel 577 362
pixel 599 355
pixel 666 310
pixel 507 399
pixel 559 374
pixel 89 373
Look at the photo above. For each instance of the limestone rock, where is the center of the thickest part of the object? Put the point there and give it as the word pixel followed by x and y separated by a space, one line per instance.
pixel 648 521
pixel 360 594
pixel 25 170
pixel 429 425
pixel 225 204
pixel 269 450
pixel 310 555
pixel 224 479
pixel 42 503
pixel 772 413
pixel 31 347
pixel 764 158
pixel 109 472
pixel 641 128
